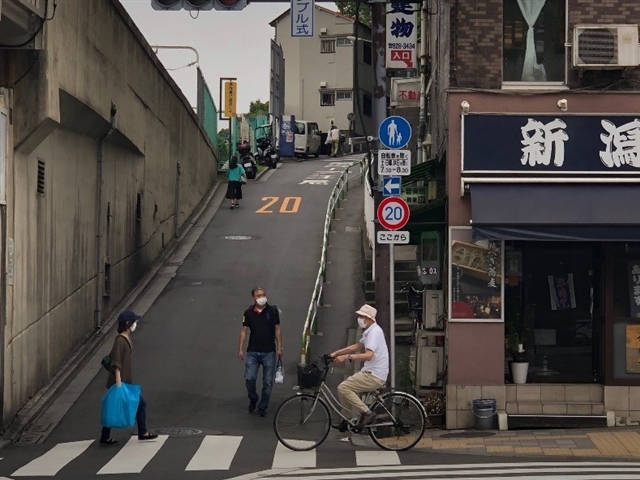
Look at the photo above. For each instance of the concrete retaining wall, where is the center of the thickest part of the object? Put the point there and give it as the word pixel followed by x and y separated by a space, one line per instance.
pixel 94 57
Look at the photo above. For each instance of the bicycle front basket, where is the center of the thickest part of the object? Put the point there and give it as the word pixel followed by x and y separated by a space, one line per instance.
pixel 309 376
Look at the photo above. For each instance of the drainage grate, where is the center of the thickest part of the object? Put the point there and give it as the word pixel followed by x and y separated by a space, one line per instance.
pixel 468 435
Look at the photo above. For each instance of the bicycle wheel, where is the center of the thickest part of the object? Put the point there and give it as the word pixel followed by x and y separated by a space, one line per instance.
pixel 302 422
pixel 400 421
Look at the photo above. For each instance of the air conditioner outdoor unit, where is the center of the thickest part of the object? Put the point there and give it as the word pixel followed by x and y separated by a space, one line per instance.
pixel 323 31
pixel 605 46
pixel 323 84
pixel 431 363
pixel 433 308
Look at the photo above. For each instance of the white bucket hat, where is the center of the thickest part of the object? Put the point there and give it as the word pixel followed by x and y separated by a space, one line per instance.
pixel 367 311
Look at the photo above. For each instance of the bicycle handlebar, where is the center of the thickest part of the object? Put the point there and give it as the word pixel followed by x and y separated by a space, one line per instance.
pixel 327 358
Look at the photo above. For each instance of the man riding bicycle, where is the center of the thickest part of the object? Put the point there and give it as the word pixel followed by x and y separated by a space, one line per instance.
pixel 373 374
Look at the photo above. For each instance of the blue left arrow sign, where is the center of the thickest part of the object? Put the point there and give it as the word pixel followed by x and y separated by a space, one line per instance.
pixel 391 186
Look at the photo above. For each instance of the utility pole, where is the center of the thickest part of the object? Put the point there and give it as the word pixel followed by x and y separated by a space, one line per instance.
pixel 381 252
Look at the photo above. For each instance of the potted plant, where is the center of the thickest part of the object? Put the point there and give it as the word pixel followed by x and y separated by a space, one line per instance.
pixel 435 407
pixel 514 342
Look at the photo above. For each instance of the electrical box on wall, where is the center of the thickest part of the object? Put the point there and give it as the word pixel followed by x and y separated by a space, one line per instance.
pixel 429 258
pixel 433 308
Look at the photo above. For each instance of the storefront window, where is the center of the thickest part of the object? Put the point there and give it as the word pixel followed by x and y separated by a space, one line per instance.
pixel 476 278
pixel 626 281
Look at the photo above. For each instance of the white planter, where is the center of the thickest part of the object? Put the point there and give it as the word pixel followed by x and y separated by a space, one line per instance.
pixel 519 371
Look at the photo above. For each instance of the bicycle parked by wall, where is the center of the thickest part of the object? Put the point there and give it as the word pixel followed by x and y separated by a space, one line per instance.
pixel 303 421
pixel 415 302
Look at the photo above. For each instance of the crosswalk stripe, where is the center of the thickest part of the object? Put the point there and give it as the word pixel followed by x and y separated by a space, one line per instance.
pixel 285 458
pixel 54 460
pixel 215 453
pixel 134 456
pixel 372 457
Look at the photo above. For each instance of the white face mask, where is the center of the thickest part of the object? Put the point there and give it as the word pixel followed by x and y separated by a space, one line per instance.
pixel 362 322
pixel 262 301
pixel 133 327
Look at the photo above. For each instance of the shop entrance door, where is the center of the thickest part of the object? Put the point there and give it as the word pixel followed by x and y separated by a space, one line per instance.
pixel 562 289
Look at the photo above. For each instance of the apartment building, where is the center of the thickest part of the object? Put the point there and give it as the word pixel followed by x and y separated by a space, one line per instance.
pixel 328 77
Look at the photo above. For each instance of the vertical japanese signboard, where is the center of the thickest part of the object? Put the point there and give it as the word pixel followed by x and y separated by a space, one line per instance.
pixel 402 35
pixel 302 18
pixel 476 278
pixel 634 287
pixel 230 89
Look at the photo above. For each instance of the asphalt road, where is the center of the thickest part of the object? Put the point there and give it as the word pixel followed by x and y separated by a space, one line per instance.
pixel 185 347
pixel 185 359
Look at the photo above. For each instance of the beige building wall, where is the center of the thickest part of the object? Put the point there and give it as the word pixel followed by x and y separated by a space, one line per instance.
pixel 308 70
pixel 93 57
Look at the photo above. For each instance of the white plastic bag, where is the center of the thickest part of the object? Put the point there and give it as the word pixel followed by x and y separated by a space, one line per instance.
pixel 279 372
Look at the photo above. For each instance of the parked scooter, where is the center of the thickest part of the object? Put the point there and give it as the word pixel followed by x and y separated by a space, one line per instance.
pixel 266 154
pixel 247 160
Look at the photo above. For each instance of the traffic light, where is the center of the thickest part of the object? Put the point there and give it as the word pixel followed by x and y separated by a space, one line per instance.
pixel 198 4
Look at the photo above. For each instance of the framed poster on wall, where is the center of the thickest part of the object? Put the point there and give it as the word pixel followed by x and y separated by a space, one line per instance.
pixel 476 278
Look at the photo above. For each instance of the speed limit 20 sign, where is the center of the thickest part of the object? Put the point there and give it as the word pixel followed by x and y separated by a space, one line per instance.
pixel 393 213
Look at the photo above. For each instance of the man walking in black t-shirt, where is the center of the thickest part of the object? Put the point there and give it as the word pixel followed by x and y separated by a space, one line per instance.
pixel 265 343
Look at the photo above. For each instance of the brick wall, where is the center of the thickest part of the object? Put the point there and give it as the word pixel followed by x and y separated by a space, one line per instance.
pixel 476 35
pixel 476 43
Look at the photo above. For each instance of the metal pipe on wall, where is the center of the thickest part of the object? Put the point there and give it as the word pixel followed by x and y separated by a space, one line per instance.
pixel 97 312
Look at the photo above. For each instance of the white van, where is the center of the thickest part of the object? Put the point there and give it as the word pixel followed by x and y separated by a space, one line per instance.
pixel 307 139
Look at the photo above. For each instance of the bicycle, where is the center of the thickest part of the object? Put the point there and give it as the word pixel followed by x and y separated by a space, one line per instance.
pixel 303 421
pixel 415 304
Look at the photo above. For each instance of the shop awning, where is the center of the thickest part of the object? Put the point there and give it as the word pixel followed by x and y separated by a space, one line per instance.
pixel 569 212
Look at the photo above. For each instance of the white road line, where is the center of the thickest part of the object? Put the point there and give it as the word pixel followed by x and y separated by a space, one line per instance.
pixel 216 452
pixel 285 458
pixel 478 467
pixel 373 457
pixel 514 474
pixel 134 456
pixel 54 460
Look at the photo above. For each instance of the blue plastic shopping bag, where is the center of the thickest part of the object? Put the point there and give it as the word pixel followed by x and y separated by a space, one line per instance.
pixel 119 406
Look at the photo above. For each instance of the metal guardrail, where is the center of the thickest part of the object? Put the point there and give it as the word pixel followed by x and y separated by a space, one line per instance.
pixel 337 195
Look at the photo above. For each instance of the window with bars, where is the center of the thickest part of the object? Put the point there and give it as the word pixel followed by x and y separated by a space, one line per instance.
pixel 341 96
pixel 328 46
pixel 41 178
pixel 327 99
pixel 344 42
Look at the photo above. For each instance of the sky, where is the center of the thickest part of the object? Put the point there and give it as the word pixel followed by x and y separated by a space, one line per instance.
pixel 229 44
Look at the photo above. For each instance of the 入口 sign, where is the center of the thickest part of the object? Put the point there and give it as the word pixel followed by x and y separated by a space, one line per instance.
pixel 402 35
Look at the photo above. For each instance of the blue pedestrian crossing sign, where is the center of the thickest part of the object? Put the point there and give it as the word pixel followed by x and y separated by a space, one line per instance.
pixel 394 132
pixel 391 186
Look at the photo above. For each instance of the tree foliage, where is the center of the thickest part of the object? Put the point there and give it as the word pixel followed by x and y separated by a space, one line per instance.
pixel 223 144
pixel 349 8
pixel 258 108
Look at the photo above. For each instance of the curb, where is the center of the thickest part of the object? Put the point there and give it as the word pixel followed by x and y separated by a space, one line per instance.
pixel 31 410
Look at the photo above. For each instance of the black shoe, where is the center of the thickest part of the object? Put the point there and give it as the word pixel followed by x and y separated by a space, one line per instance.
pixel 109 441
pixel 366 418
pixel 148 436
pixel 342 427
pixel 252 407
pixel 262 413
